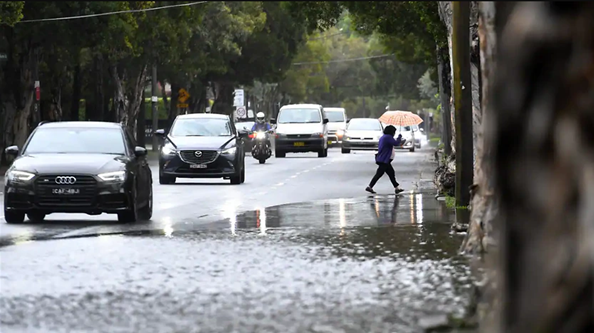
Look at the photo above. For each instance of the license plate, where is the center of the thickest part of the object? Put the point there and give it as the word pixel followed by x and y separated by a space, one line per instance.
pixel 66 191
pixel 197 166
pixel 299 144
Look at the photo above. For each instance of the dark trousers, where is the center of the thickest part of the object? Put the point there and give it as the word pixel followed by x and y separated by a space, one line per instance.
pixel 381 169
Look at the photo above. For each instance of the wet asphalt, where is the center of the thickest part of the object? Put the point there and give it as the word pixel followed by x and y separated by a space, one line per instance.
pixel 300 247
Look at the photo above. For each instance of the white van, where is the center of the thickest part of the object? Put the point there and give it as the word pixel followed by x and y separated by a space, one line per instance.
pixel 337 123
pixel 301 128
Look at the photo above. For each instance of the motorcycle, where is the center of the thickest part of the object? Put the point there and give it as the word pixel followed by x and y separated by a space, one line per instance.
pixel 261 146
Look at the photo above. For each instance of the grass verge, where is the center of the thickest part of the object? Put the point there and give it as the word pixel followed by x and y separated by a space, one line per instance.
pixel 451 203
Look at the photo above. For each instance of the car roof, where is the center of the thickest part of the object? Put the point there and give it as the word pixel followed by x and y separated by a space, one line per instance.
pixel 79 124
pixel 203 116
pixel 296 106
pixel 334 109
pixel 364 119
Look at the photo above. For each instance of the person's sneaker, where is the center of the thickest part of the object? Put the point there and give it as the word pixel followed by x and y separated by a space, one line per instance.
pixel 398 190
pixel 369 189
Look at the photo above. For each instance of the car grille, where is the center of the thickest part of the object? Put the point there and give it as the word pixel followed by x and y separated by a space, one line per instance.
pixel 87 185
pixel 299 136
pixel 189 156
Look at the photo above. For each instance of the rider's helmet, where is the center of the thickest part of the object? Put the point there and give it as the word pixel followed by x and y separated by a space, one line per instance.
pixel 260 117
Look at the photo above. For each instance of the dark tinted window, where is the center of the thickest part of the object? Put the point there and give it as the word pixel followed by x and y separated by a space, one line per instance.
pixel 77 140
pixel 364 125
pixel 201 127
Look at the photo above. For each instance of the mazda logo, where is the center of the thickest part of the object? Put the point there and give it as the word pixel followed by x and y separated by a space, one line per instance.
pixel 65 180
pixel 198 153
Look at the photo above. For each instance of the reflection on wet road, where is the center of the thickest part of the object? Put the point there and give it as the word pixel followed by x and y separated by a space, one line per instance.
pixel 349 264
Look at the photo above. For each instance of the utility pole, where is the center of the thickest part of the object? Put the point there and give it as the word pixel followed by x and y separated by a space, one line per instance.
pixel 155 100
pixel 462 100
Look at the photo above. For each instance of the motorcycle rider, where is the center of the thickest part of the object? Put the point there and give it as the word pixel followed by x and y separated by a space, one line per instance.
pixel 262 126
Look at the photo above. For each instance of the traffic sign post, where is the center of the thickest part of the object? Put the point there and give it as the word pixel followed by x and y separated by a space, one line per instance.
pixel 182 95
pixel 240 112
pixel 182 105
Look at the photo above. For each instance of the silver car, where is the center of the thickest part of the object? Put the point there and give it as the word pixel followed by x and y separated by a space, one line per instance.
pixel 362 134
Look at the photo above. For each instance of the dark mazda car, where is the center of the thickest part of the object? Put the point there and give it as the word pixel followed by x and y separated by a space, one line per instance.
pixel 78 167
pixel 201 145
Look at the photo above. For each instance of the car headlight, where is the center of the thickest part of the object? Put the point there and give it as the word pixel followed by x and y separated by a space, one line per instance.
pixel 116 176
pixel 168 150
pixel 319 135
pixel 229 151
pixel 377 137
pixel 19 176
pixel 340 132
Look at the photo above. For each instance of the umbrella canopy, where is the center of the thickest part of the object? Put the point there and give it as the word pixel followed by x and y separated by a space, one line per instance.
pixel 400 118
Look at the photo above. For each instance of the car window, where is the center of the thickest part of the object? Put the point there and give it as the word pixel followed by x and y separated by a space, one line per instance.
pixel 76 140
pixel 335 116
pixel 299 116
pixel 364 125
pixel 247 125
pixel 201 127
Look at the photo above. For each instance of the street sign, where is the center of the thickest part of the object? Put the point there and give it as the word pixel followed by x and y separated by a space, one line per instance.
pixel 238 97
pixel 183 95
pixel 182 105
pixel 240 112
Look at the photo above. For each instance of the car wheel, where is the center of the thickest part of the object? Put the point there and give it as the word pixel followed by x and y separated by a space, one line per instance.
pixel 243 174
pixel 130 215
pixel 36 217
pixel 236 180
pixel 262 161
pixel 323 153
pixel 346 151
pixel 412 149
pixel 146 212
pixel 279 154
pixel 165 180
pixel 13 217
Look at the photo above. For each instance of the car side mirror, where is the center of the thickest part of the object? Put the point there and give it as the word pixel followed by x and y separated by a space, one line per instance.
pixel 159 132
pixel 139 151
pixel 12 150
pixel 348 121
pixel 326 120
pixel 272 121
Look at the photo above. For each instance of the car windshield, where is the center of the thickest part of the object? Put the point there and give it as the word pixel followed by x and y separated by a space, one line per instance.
pixel 335 116
pixel 299 116
pixel 402 128
pixel 201 127
pixel 364 125
pixel 76 141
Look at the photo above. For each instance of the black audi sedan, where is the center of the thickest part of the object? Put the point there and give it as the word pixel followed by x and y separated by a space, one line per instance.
pixel 78 167
pixel 201 145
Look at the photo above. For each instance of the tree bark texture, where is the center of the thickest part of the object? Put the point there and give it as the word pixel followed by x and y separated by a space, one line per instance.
pixel 544 167
pixel 128 91
pixel 76 94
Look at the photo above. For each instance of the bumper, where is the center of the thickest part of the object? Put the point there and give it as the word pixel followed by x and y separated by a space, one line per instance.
pixel 92 198
pixel 334 138
pixel 300 144
pixel 223 166
pixel 360 144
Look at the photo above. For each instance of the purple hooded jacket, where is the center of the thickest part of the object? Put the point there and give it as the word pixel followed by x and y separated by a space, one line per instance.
pixel 385 146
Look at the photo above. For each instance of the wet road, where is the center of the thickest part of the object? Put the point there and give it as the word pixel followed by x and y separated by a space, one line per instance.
pixel 214 260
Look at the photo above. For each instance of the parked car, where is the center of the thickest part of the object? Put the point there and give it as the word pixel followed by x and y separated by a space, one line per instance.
pixel 78 167
pixel 301 128
pixel 202 145
pixel 337 123
pixel 362 134
pixel 411 142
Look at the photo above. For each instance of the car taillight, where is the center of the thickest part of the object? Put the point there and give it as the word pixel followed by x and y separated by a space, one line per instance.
pixel 276 136
pixel 251 136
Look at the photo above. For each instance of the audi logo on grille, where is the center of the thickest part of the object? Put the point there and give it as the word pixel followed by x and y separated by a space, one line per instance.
pixel 65 180
pixel 198 153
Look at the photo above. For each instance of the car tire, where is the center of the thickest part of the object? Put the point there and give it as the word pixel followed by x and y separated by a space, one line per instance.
pixel 323 153
pixel 279 154
pixel 166 180
pixel 146 212
pixel 346 151
pixel 412 149
pixel 13 217
pixel 262 161
pixel 236 180
pixel 36 217
pixel 130 215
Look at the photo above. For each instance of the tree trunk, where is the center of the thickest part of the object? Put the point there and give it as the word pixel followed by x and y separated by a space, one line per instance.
pixel 76 93
pixel 165 99
pixel 445 94
pixel 543 164
pixel 141 124
pixel 55 110
pixel 173 111
pixel 128 91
